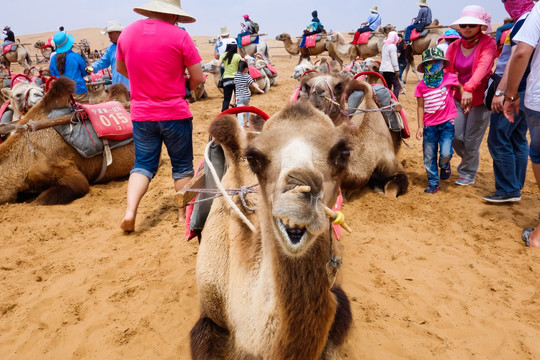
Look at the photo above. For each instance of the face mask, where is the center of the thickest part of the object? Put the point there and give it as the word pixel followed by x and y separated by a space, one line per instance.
pixel 433 68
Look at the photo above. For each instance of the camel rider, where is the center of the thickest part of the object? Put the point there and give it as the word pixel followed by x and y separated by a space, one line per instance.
pixel 113 30
pixel 247 26
pixel 372 23
pixel 421 20
pixel 10 36
pixel 314 27
pixel 222 42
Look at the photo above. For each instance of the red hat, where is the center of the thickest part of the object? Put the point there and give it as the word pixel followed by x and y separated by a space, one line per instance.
pixel 246 16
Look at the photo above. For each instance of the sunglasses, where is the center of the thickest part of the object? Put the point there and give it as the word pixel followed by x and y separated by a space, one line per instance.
pixel 471 26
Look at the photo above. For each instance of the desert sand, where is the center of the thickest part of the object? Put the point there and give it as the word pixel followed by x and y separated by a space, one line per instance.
pixel 443 276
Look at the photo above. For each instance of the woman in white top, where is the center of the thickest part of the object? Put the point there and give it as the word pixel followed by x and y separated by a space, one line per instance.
pixel 389 64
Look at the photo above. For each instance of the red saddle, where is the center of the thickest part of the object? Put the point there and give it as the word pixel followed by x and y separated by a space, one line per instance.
pixel 363 38
pixel 254 72
pixel 311 40
pixel 110 120
pixel 6 48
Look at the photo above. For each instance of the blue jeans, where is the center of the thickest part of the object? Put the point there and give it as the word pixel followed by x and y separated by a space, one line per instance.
pixel 533 120
pixel 243 101
pixel 148 137
pixel 419 28
pixel 402 67
pixel 508 146
pixel 435 137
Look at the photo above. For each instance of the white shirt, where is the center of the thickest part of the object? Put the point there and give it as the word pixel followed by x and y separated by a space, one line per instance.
pixel 222 44
pixel 389 61
pixel 530 34
pixel 443 45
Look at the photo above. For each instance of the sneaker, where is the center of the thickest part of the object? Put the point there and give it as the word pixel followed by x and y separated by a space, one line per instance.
pixel 445 173
pixel 464 181
pixel 501 198
pixel 432 189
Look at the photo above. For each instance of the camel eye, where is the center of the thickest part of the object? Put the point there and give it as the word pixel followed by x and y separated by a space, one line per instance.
pixel 345 154
pixel 256 160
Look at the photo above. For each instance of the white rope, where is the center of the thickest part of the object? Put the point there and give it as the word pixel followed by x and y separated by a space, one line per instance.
pixel 223 191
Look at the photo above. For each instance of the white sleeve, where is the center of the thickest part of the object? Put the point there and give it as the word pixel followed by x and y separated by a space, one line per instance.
pixel 530 31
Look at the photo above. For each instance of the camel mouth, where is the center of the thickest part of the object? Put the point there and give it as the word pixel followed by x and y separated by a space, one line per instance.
pixel 295 234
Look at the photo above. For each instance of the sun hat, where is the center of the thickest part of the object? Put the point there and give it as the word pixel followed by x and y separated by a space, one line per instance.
pixel 225 32
pixel 473 14
pixel 165 7
pixel 450 34
pixel 422 3
pixel 112 25
pixel 63 41
pixel 374 9
pixel 431 54
pixel 6 27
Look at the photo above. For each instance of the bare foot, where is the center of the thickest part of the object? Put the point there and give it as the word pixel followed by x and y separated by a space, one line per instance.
pixel 128 224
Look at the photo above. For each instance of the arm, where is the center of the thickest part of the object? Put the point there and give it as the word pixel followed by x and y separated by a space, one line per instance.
pixel 104 62
pixel 196 76
pixel 420 116
pixel 516 68
pixel 256 86
pixel 486 57
pixel 121 68
pixel 393 58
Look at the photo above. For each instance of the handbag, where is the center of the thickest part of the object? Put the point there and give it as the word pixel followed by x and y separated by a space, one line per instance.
pixel 491 87
pixel 220 84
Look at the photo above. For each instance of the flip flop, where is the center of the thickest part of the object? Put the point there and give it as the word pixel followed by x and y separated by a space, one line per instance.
pixel 525 235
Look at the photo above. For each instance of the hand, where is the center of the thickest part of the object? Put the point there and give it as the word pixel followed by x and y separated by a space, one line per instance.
pixel 261 91
pixel 497 104
pixel 420 133
pixel 509 108
pixel 466 100
pixel 89 69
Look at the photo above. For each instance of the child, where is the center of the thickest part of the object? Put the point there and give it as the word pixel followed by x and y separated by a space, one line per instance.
pixel 436 113
pixel 242 80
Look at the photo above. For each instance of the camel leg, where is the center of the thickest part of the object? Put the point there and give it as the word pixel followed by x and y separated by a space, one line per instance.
pixel 208 340
pixel 390 177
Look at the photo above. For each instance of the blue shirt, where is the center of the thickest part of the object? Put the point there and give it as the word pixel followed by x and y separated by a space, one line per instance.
pixel 424 16
pixel 109 59
pixel 74 68
pixel 374 20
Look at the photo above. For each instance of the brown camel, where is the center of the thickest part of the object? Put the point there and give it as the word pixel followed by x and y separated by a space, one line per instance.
pixel 375 159
pixel 19 55
pixel 372 48
pixel 305 53
pixel 213 68
pixel 272 293
pixel 42 163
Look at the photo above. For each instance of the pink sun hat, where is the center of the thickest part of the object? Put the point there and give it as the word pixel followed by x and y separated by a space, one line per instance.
pixel 473 14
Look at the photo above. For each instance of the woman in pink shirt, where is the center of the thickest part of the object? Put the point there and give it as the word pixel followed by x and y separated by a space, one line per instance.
pixel 471 59
pixel 154 54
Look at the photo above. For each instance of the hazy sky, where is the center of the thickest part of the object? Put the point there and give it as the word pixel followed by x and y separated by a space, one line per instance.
pixel 273 16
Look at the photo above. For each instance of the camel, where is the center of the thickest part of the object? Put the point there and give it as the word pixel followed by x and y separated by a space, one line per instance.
pixel 213 68
pixel 273 293
pixel 300 69
pixel 262 65
pixel 19 55
pixel 23 96
pixel 305 53
pixel 375 159
pixel 251 49
pixel 43 163
pixel 372 48
pixel 46 51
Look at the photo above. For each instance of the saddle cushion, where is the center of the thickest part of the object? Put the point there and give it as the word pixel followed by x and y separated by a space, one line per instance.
pixel 364 38
pixel 254 72
pixel 9 47
pixel 311 40
pixel 110 120
pixel 415 34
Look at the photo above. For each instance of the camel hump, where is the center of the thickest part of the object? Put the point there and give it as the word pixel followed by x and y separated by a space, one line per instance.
pixel 434 24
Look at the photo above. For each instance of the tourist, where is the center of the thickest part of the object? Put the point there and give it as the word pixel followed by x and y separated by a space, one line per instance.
pixel 314 27
pixel 421 20
pixel 449 37
pixel 371 24
pixel 401 56
pixel 113 30
pixel 229 59
pixel 242 80
pixel 222 42
pixel 471 58
pixel 436 114
pixel 159 112
pixel 65 62
pixel 9 36
pixel 507 141
pixel 246 26
pixel 389 64
pixel 527 39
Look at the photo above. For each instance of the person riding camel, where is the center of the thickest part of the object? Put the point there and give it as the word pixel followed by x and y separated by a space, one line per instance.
pixel 372 23
pixel 10 36
pixel 421 20
pixel 246 26
pixel 314 27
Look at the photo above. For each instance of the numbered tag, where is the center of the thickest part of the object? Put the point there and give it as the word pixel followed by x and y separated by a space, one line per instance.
pixel 110 120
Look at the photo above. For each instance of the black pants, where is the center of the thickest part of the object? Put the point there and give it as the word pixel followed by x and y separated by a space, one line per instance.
pixel 392 80
pixel 364 29
pixel 227 95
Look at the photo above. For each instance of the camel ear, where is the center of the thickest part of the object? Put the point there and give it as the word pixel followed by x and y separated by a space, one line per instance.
pixel 226 131
pixel 6 93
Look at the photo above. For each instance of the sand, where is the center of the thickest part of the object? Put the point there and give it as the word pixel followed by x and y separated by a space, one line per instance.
pixel 443 276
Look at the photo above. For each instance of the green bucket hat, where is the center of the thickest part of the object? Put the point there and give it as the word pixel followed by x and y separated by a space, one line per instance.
pixel 431 54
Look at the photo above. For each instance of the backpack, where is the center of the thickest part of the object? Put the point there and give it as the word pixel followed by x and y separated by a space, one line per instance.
pixel 254 27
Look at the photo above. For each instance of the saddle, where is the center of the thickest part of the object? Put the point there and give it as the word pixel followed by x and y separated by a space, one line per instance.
pixel 363 38
pixel 249 39
pixel 416 35
pixel 254 72
pixel 9 47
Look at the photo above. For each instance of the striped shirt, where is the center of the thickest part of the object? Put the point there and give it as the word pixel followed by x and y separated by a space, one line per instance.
pixel 439 104
pixel 241 84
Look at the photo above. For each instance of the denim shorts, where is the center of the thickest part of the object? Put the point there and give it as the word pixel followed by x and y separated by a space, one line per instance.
pixel 148 137
pixel 533 121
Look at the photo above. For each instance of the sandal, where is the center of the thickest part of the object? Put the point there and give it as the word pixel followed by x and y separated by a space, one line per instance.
pixel 525 236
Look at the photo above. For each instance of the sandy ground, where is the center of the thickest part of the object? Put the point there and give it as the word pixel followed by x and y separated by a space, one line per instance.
pixel 442 276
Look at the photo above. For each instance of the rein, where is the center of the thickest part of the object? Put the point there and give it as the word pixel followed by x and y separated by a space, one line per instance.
pixel 333 101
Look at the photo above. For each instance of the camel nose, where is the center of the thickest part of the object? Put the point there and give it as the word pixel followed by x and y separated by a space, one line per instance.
pixel 307 181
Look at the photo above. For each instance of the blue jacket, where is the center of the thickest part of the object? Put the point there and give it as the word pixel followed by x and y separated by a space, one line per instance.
pixel 109 59
pixel 424 16
pixel 74 68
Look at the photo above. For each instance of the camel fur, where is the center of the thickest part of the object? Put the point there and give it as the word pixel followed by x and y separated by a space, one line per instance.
pixel 54 170
pixel 20 55
pixel 268 294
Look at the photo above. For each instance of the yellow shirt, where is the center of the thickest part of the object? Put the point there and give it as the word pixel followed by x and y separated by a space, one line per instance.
pixel 232 67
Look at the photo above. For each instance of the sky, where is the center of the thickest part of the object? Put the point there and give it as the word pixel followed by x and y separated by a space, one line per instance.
pixel 273 16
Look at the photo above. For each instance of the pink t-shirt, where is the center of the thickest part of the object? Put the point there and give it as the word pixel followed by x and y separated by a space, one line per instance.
pixel 464 65
pixel 439 105
pixel 156 54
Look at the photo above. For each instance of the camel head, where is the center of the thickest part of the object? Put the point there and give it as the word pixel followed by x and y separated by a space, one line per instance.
pixel 299 172
pixel 325 92
pixel 301 68
pixel 387 28
pixel 211 67
pixel 283 37
pixel 58 96
pixel 24 95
